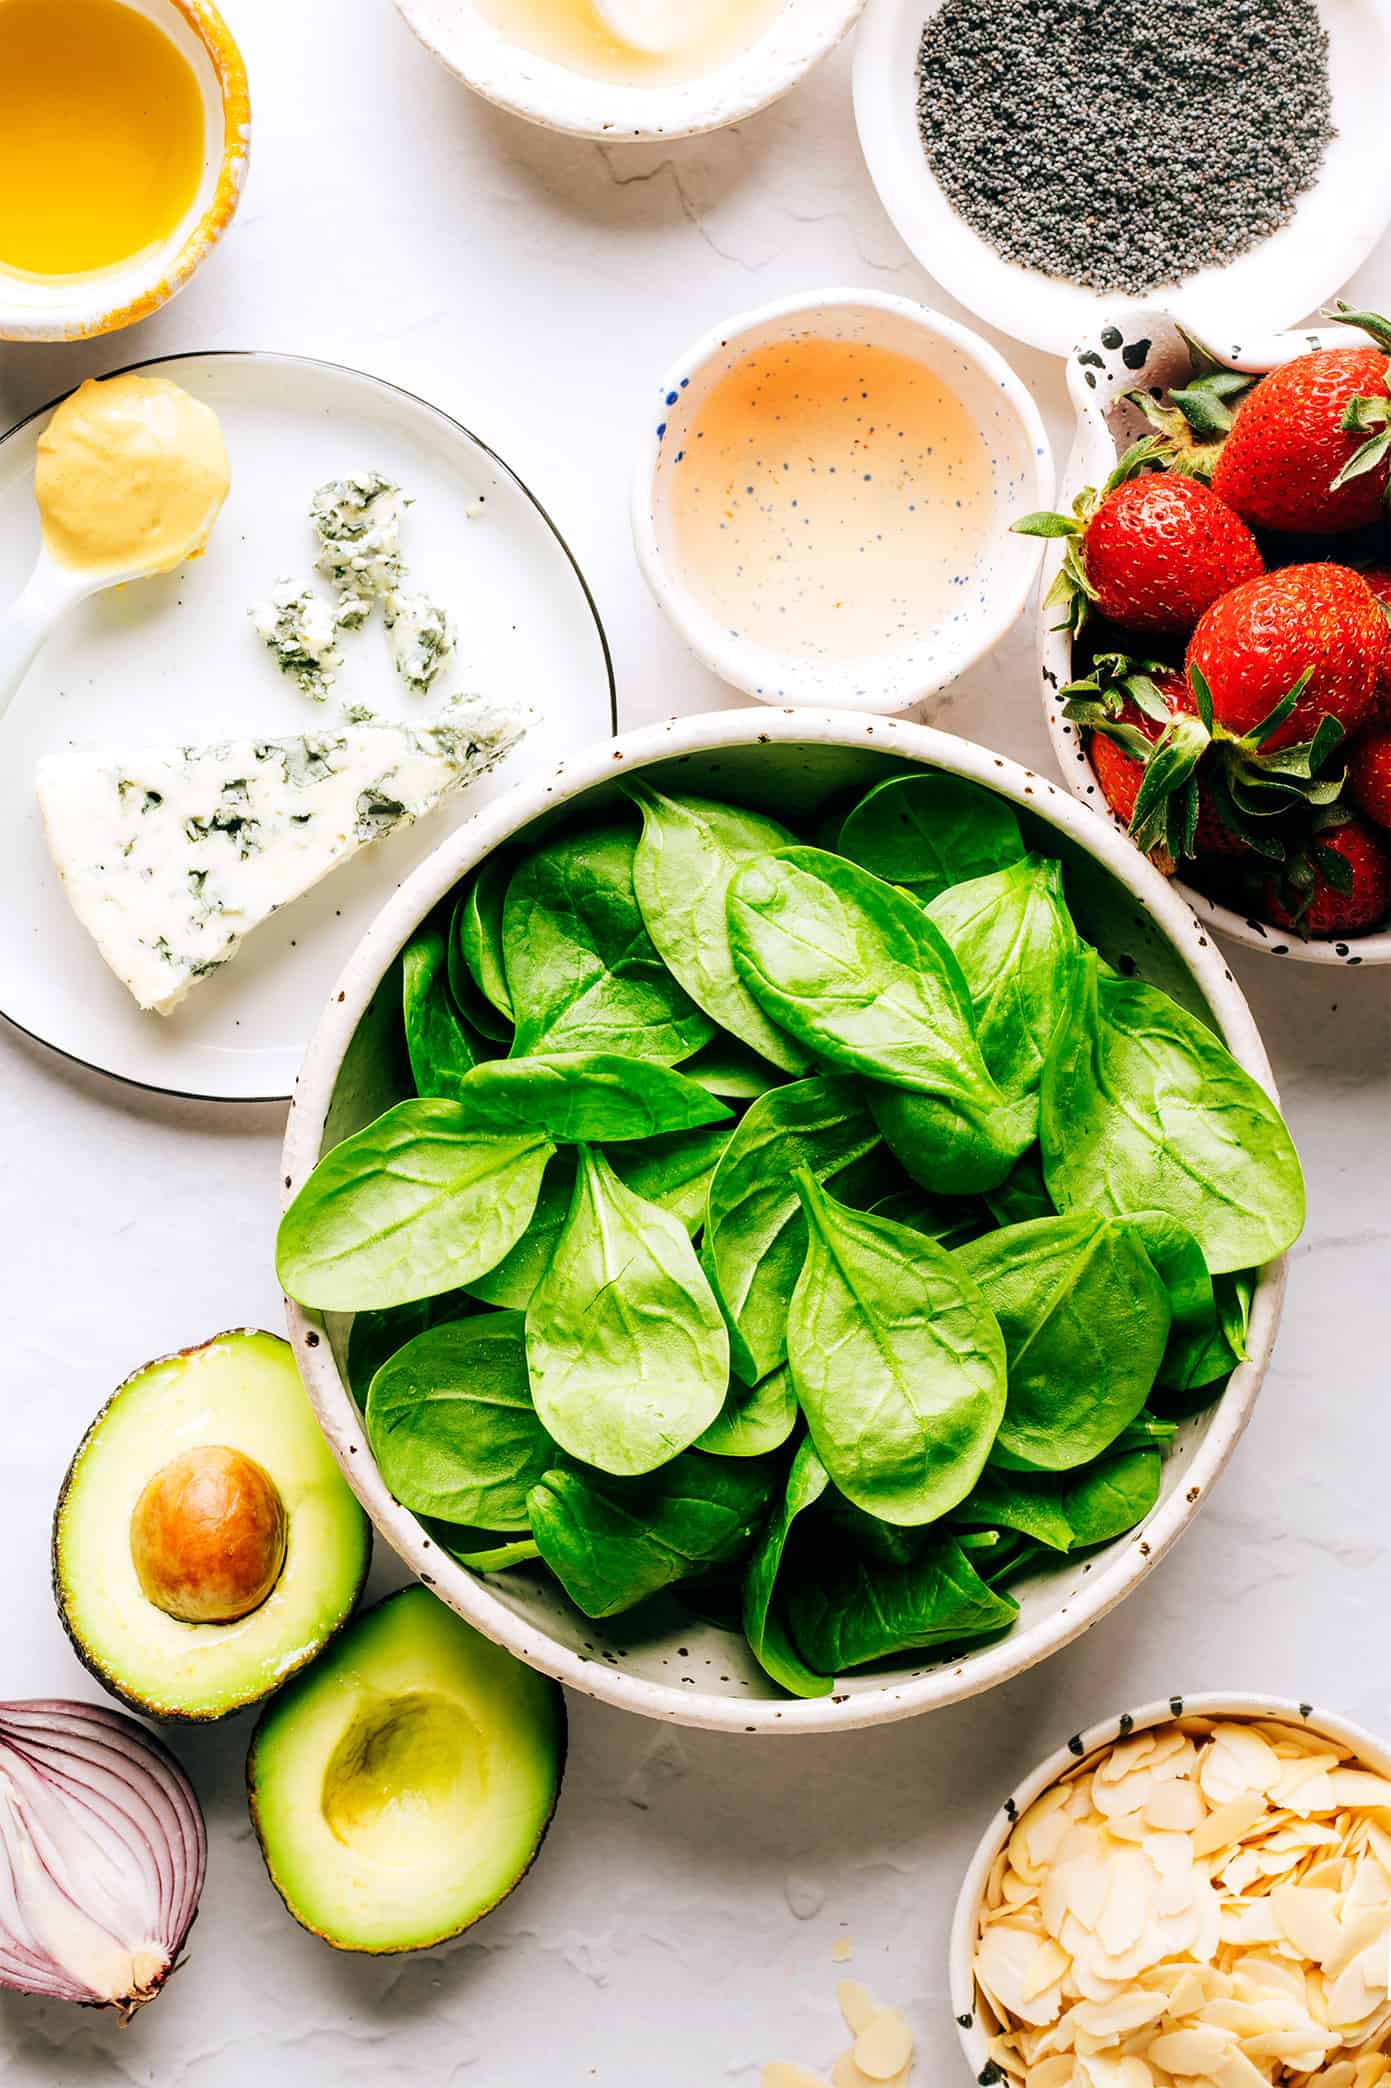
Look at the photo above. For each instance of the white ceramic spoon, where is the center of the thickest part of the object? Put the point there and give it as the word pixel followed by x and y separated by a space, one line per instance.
pixel 51 591
pixel 647 25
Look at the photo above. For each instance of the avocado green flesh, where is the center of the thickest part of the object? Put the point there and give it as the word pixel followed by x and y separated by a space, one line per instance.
pixel 402 1786
pixel 242 1391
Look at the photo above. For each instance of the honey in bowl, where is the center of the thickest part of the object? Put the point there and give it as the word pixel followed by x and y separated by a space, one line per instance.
pixel 831 501
pixel 101 135
pixel 634 43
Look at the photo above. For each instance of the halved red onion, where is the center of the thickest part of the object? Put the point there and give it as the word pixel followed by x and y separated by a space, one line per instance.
pixel 102 1855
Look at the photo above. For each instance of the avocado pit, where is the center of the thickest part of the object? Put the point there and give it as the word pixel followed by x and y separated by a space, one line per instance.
pixel 208 1536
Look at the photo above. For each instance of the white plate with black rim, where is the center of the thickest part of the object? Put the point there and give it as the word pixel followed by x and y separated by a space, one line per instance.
pixel 174 661
pixel 1336 223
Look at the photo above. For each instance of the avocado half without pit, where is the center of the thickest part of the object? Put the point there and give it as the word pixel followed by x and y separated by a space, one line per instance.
pixel 206 1544
pixel 403 1785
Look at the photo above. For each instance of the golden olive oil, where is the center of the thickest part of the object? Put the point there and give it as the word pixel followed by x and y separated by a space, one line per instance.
pixel 101 135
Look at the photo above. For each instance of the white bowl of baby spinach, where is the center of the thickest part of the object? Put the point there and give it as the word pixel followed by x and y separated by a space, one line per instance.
pixel 785 1220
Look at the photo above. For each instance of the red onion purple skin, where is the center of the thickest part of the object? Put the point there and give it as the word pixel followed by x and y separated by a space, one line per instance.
pixel 113 1786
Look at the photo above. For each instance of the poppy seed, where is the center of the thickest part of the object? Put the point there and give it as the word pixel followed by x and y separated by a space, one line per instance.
pixel 1118 145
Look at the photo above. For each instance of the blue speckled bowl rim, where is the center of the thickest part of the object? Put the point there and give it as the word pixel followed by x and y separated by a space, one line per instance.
pixel 1239 1704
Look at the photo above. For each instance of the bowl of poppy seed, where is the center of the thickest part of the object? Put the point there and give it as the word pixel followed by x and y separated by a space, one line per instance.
pixel 1048 160
pixel 1214 642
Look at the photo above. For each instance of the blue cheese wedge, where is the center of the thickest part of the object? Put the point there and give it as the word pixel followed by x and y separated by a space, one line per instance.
pixel 169 859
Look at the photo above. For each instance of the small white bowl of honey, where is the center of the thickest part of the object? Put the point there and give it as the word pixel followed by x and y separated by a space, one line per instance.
pixel 824 498
pixel 124 130
pixel 635 69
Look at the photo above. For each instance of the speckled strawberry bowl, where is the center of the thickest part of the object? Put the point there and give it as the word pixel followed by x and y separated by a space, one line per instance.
pixel 1145 350
pixel 669 1664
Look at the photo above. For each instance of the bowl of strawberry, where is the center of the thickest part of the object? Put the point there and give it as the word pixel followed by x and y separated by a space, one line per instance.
pixel 1216 622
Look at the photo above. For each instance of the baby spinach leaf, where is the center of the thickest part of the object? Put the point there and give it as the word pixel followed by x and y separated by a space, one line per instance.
pixel 581 968
pixel 586 1097
pixel 452 1425
pixel 857 972
pixel 417 1203
pixel 1111 1496
pixel 1085 1320
pixel 689 851
pixel 1143 1109
pixel 478 931
pixel 1198 1350
pixel 675 1170
pixel 929 832
pixel 764 1624
pixel 478 1011
pixel 612 1542
pixel 1023 1193
pixel 947 1219
pixel 894 1543
pixel 754 1418
pixel 1030 1502
pixel 440 1047
pixel 755 1234
pixel 861 1610
pixel 376 1335
pixel 898 1363
pixel 729 1069
pixel 516 1276
pixel 497 1558
pixel 945 1149
pixel 1013 937
pixel 625 1343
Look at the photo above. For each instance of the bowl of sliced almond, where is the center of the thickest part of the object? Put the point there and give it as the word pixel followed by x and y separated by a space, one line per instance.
pixel 1199 1890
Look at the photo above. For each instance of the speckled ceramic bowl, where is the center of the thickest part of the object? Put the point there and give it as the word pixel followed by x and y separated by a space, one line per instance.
pixel 1136 349
pixel 992 592
pixel 974 2021
pixel 1336 223
pixel 480 54
pixel 663 1661
pixel 70 308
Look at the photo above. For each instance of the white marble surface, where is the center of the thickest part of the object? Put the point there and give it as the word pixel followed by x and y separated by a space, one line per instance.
pixel 679 1928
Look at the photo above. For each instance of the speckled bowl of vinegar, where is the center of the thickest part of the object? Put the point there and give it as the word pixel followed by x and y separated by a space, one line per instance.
pixel 824 499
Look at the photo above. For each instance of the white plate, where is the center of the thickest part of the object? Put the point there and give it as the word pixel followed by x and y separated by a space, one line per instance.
pixel 175 661
pixel 1335 226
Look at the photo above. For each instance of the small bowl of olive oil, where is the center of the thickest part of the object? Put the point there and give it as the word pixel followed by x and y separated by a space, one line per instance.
pixel 124 128
pixel 618 69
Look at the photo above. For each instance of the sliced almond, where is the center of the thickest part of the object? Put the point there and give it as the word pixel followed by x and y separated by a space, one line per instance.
pixel 859 2006
pixel 784 2074
pixel 884 2049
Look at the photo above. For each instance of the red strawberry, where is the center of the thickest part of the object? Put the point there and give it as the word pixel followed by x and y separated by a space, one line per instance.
pixel 1149 553
pixel 1369 774
pixel 1120 770
pixel 1379 580
pixel 1253 646
pixel 1286 463
pixel 1357 898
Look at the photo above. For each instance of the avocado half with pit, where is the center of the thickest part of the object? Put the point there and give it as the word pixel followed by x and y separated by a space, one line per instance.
pixel 205 1544
pixel 403 1785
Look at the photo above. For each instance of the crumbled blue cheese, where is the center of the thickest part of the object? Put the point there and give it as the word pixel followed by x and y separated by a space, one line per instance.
pixel 357 521
pixel 301 629
pixel 420 636
pixel 169 859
